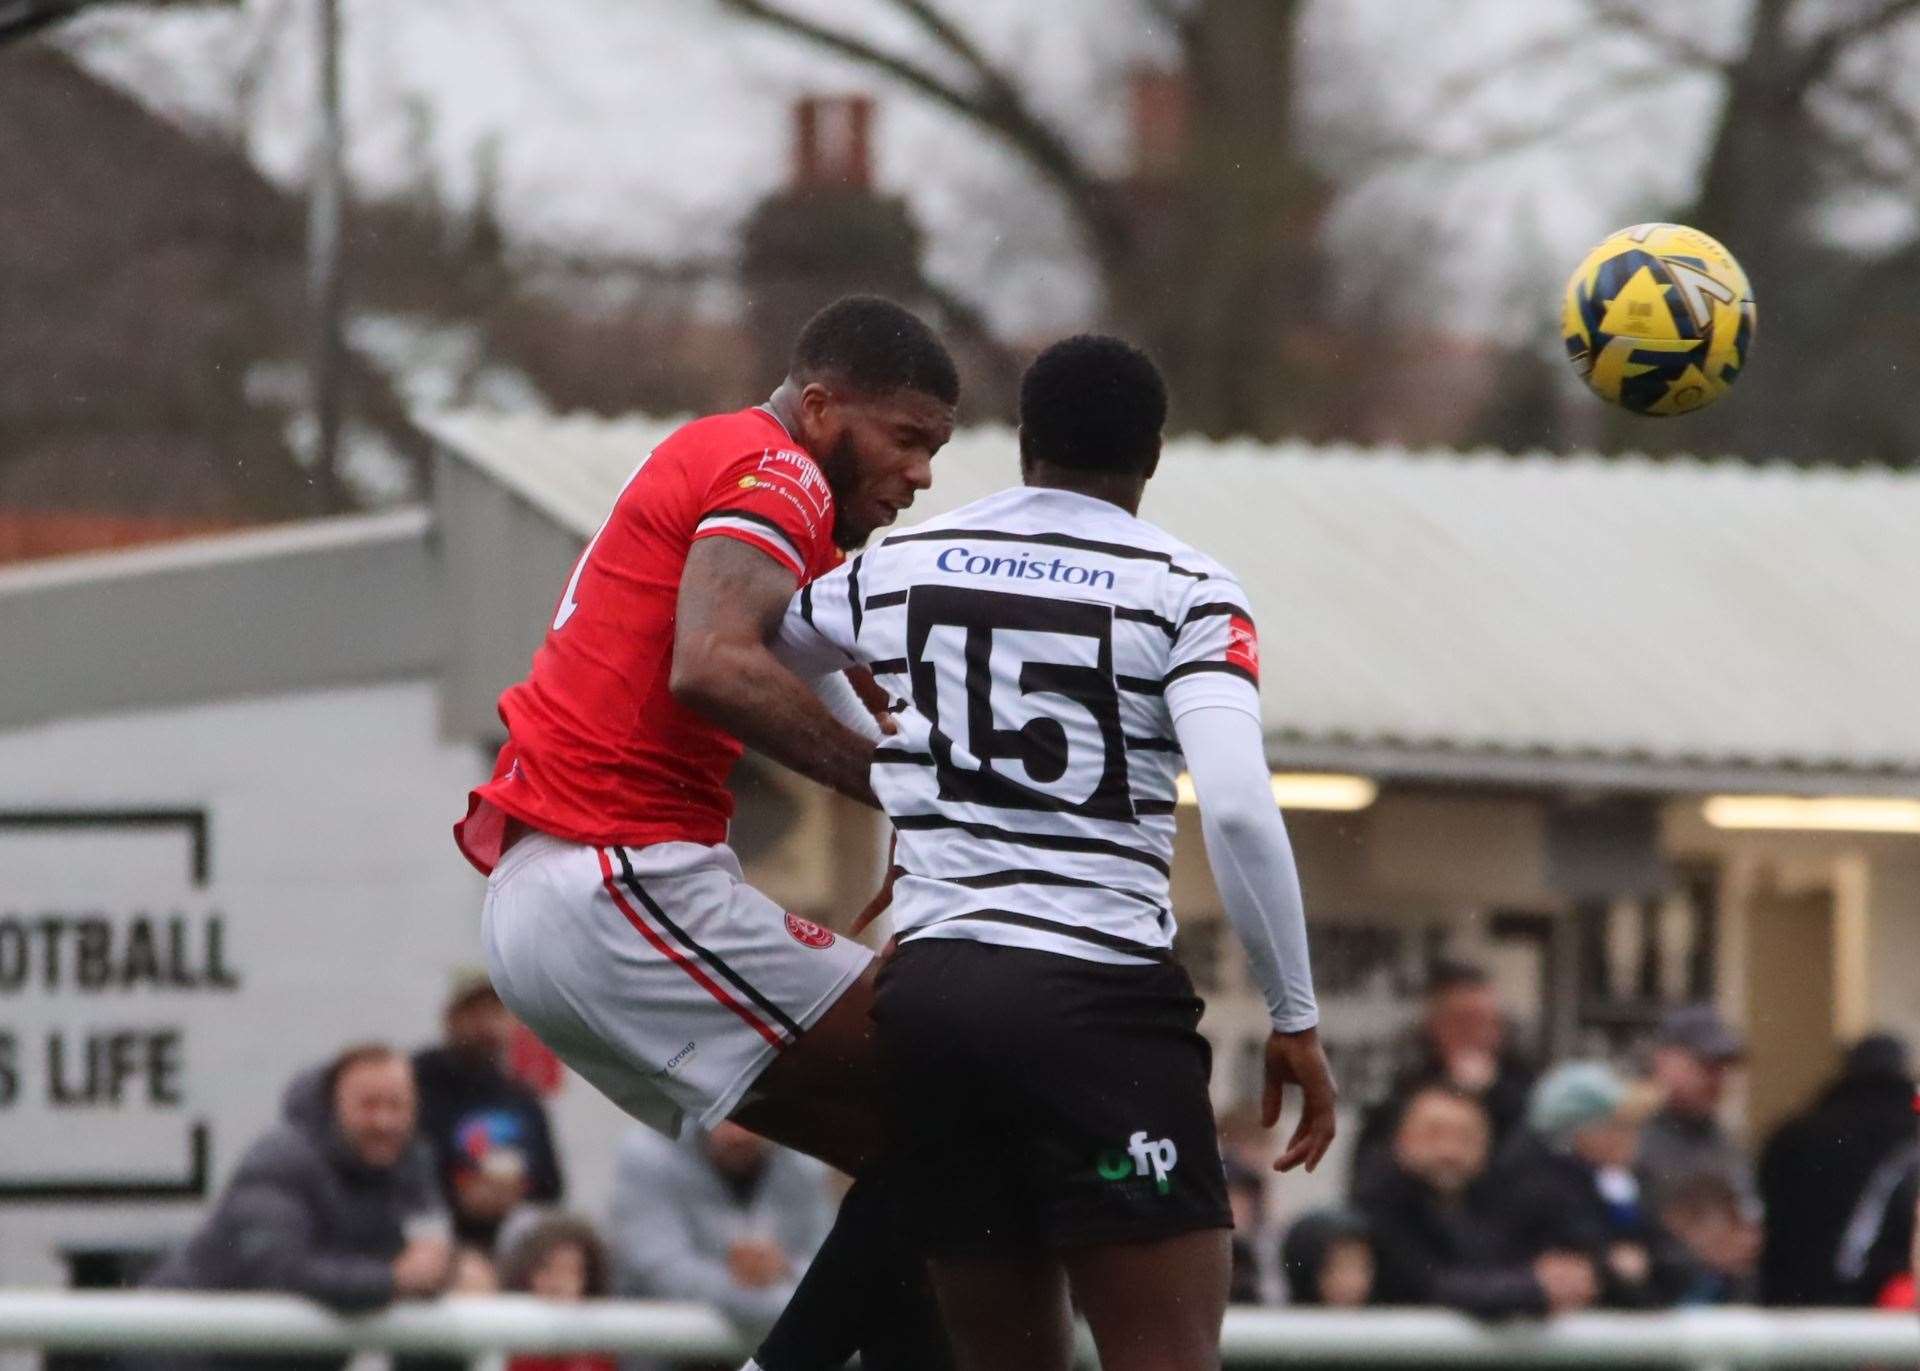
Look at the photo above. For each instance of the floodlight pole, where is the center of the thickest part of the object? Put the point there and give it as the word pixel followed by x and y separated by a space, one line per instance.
pixel 325 208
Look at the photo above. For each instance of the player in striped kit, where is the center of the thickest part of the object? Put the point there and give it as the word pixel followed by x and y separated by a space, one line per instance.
pixel 1052 658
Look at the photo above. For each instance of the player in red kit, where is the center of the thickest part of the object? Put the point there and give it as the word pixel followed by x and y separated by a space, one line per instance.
pixel 617 924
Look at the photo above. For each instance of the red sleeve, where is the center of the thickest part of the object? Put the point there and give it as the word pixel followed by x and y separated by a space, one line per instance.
pixel 775 500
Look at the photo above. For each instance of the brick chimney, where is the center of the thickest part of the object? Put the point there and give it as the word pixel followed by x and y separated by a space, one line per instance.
pixel 827 233
pixel 833 142
pixel 1158 103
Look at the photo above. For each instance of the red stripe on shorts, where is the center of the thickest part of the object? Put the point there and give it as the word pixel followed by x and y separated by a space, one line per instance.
pixel 679 959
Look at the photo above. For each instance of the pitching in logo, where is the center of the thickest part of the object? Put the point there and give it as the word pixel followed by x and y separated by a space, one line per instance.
pixel 1141 1156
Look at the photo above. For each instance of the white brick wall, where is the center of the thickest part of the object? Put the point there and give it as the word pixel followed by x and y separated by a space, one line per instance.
pixel 345 911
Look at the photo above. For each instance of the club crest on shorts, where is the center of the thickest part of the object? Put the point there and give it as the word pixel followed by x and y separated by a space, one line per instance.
pixel 807 932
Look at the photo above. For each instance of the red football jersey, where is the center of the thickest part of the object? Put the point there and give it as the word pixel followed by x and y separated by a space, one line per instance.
pixel 598 750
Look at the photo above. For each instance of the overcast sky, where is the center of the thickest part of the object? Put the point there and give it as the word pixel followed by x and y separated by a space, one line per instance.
pixel 651 126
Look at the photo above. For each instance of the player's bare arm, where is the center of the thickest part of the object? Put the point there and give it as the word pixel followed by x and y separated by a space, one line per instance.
pixel 732 600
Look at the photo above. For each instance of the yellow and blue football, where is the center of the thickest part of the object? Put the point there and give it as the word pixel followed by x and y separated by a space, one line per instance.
pixel 1659 319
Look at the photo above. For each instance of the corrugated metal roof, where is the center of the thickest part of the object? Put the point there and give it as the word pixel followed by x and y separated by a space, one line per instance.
pixel 1619 610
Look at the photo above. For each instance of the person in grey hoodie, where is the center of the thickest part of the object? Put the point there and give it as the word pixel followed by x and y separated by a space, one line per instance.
pixel 721 1217
pixel 338 1202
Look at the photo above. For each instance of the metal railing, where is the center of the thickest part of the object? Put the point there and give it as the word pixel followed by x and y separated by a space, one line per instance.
pixel 478 1327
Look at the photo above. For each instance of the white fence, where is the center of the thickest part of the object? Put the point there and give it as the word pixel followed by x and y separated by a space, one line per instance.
pixel 86 1321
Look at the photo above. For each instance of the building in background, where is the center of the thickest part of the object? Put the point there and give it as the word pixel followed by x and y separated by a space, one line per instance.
pixel 1584 721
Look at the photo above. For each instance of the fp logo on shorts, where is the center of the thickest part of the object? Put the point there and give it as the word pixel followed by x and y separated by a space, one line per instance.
pixel 1143 1155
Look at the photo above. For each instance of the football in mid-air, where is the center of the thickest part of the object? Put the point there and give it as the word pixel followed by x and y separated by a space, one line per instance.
pixel 1659 319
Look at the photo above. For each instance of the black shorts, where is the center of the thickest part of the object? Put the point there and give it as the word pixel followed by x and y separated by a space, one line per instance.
pixel 1042 1101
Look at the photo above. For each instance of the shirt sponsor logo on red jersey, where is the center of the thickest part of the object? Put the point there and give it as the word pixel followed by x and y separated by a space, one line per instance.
pixel 804 472
pixel 809 517
pixel 1243 646
pixel 807 932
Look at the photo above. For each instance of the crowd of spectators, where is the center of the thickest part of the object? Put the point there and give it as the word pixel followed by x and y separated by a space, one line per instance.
pixel 391 1178
pixel 1480 1186
pixel 1475 1185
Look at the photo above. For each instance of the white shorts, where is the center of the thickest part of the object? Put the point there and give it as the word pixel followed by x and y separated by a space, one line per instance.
pixel 657 972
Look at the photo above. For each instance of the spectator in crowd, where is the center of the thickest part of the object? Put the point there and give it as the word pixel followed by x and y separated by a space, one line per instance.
pixel 556 1257
pixel 1253 1277
pixel 1871 1265
pixel 1694 1056
pixel 1433 1228
pixel 1329 1261
pixel 489 1132
pixel 1817 1164
pixel 1567 1184
pixel 1720 1238
pixel 1462 1040
pixel 337 1202
pixel 721 1217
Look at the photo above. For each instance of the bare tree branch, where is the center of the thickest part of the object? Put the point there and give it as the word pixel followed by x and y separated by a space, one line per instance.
pixel 968 321
pixel 942 29
pixel 1549 47
pixel 1887 118
pixel 23 18
pixel 995 104
pixel 1631 18
pixel 1827 49
pixel 1519 135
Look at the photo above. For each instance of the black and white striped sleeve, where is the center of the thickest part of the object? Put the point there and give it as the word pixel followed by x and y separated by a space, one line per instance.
pixel 821 630
pixel 1215 659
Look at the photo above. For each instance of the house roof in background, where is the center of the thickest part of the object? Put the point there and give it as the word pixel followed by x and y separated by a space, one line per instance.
pixel 300 606
pixel 1676 622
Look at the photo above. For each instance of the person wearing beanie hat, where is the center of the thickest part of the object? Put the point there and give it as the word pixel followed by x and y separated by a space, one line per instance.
pixel 1576 1096
pixel 1567 1185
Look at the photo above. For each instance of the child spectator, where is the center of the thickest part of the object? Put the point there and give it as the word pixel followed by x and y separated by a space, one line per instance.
pixel 1328 1257
pixel 556 1257
pixel 1704 1213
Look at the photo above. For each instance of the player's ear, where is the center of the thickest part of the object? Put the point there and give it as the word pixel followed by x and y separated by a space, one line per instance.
pixel 821 414
pixel 817 400
pixel 1153 463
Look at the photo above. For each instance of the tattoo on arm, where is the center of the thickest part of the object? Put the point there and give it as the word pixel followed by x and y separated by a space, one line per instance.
pixel 732 600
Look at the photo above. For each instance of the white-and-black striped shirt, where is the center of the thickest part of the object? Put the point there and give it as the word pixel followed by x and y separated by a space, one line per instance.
pixel 1038 645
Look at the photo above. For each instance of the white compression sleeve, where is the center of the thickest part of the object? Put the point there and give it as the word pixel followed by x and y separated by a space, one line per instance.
pixel 1251 858
pixel 837 694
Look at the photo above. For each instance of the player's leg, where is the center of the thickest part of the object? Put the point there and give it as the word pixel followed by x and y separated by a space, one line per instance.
pixel 820 1094
pixel 1155 1306
pixel 1004 1312
pixel 1097 1076
pixel 680 992
pixel 866 1290
pixel 963 1155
